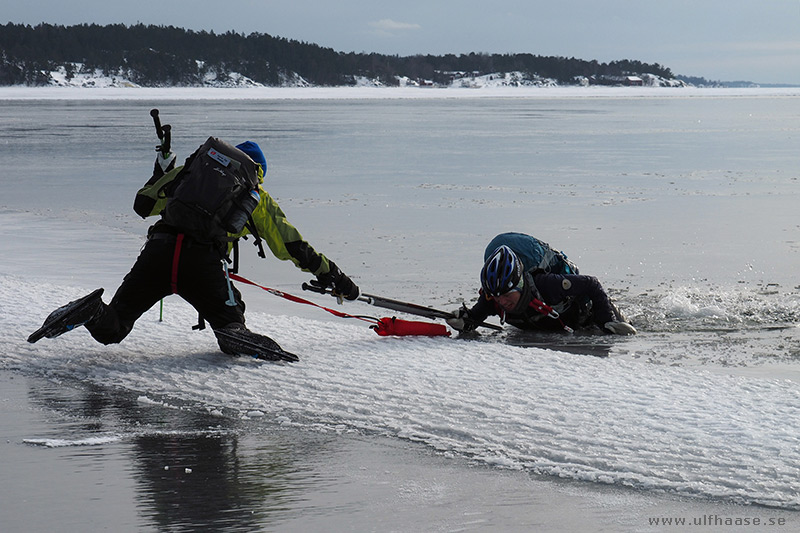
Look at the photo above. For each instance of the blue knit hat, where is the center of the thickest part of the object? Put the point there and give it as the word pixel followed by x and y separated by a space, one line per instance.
pixel 255 153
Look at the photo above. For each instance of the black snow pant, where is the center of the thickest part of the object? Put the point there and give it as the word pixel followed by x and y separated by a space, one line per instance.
pixel 198 277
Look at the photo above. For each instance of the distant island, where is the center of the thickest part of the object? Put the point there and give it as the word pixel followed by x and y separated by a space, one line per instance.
pixel 165 56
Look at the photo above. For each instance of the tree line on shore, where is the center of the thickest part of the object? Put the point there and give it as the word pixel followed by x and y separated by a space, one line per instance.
pixel 165 56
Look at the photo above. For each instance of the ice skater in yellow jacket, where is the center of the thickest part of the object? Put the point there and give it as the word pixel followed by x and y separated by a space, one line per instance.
pixel 284 240
pixel 172 262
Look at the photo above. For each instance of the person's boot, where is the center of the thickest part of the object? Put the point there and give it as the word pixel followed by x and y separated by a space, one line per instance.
pixel 236 339
pixel 70 316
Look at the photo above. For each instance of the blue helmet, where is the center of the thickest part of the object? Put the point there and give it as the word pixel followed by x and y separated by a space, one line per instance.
pixel 502 272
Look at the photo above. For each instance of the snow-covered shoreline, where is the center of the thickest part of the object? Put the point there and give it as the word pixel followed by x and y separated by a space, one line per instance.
pixel 355 93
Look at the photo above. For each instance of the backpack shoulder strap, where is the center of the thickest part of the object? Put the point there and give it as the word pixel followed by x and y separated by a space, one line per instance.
pixel 251 225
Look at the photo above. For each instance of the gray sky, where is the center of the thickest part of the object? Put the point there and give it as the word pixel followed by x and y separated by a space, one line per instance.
pixel 728 40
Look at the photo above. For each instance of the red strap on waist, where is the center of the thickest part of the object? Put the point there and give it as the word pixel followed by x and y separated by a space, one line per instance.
pixel 548 311
pixel 176 257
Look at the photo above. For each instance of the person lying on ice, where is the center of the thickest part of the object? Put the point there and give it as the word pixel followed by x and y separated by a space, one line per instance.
pixel 533 287
pixel 185 253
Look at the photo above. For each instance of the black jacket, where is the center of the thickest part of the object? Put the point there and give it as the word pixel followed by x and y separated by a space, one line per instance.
pixel 580 301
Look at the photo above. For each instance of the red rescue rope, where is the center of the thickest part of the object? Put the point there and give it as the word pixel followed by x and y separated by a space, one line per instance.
pixel 299 300
pixel 383 327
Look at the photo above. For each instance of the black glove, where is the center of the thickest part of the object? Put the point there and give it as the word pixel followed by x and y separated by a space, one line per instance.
pixel 461 320
pixel 619 328
pixel 339 282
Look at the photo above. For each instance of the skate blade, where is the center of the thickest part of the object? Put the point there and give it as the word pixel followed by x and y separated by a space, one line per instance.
pixel 55 323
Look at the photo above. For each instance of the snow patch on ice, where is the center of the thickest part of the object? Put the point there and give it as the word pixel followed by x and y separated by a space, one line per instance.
pixel 63 443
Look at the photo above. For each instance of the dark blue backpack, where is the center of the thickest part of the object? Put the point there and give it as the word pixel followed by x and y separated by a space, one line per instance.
pixel 534 254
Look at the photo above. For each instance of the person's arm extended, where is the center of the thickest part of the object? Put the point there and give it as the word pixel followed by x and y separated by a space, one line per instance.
pixel 286 243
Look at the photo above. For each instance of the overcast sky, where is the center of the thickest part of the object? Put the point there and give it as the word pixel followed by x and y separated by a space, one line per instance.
pixel 728 40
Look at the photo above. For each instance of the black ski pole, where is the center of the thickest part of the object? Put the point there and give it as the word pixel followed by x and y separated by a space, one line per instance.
pixel 397 305
pixel 164 135
pixel 163 132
